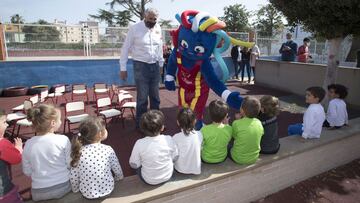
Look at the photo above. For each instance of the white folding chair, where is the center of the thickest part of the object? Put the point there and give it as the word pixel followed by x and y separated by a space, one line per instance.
pixel 108 112
pixel 125 104
pixel 101 89
pixel 58 92
pixel 19 118
pixel 116 90
pixel 44 95
pixel 77 110
pixel 34 99
pixel 79 90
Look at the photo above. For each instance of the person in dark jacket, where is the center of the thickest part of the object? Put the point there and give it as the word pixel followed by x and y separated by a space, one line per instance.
pixel 234 57
pixel 268 117
pixel 288 49
pixel 245 63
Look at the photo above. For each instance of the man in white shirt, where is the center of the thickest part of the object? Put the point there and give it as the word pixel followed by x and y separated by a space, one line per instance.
pixel 144 41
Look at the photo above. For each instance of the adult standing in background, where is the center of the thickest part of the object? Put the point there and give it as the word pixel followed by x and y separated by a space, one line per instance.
pixel 144 41
pixel 255 54
pixel 234 57
pixel 288 49
pixel 303 54
pixel 245 63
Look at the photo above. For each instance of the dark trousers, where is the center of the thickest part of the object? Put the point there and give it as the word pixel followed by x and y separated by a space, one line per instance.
pixel 147 79
pixel 236 68
pixel 245 64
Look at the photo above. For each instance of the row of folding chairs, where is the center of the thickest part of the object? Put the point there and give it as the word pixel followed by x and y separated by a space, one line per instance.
pixel 18 117
pixel 75 112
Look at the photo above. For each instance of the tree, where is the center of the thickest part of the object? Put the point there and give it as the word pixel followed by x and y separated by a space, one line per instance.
pixel 41 33
pixel 236 18
pixel 330 19
pixel 112 18
pixel 136 8
pixel 165 23
pixel 268 23
pixel 17 19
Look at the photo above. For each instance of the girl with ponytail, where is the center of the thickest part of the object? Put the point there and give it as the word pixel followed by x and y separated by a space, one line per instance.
pixel 46 157
pixel 92 162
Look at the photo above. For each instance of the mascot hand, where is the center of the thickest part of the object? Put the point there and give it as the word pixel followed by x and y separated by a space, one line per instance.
pixel 170 83
pixel 234 100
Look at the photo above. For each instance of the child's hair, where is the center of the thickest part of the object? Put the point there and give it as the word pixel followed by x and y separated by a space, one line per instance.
pixel 270 105
pixel 317 92
pixel 306 39
pixel 251 107
pixel 339 89
pixel 41 117
pixel 186 119
pixel 218 110
pixel 88 131
pixel 152 122
pixel 2 112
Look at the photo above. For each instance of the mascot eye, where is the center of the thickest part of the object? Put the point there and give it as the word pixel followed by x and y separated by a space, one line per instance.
pixel 184 44
pixel 199 49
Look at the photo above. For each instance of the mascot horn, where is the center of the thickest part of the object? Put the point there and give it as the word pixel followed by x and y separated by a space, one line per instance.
pixel 198 36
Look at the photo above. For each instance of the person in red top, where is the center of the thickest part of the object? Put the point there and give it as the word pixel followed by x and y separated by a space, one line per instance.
pixel 303 54
pixel 9 154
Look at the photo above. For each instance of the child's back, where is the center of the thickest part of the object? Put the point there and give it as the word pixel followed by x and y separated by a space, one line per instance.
pixel 155 156
pixel 94 171
pixel 313 120
pixel 189 146
pixel 216 138
pixel 247 133
pixel 337 113
pixel 46 159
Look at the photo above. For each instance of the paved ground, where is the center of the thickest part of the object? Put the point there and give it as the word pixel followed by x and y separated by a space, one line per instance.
pixel 338 185
pixel 123 139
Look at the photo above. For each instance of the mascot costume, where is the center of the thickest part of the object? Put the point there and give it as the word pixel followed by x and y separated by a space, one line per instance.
pixel 198 36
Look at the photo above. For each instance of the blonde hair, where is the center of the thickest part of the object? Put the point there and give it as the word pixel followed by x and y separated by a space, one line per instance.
pixel 89 129
pixel 41 117
pixel 270 105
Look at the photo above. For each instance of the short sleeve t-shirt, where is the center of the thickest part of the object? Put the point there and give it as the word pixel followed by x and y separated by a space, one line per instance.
pixel 216 138
pixel 247 133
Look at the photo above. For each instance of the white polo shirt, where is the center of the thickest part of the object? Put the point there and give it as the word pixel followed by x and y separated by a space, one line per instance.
pixel 337 114
pixel 155 155
pixel 313 120
pixel 144 44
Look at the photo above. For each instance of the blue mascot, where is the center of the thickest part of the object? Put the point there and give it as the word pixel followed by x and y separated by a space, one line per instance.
pixel 199 36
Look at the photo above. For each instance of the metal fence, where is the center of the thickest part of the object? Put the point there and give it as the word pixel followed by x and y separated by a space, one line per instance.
pixel 59 40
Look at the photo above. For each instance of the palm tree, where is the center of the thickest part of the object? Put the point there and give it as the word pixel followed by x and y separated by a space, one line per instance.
pixel 17 19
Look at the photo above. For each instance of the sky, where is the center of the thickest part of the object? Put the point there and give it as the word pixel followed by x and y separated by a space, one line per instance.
pixel 74 11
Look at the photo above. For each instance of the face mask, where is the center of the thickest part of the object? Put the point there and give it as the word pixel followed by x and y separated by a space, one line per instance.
pixel 149 24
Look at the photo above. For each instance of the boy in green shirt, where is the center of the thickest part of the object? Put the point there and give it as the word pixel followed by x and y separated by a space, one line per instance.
pixel 247 133
pixel 217 135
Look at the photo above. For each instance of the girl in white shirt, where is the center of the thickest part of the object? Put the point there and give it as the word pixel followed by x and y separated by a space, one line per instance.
pixel 46 157
pixel 188 142
pixel 93 162
pixel 153 156
pixel 337 115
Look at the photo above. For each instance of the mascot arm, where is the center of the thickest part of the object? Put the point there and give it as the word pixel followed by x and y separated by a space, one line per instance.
pixel 170 72
pixel 233 99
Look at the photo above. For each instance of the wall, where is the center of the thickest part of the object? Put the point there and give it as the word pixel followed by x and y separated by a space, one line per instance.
pixel 296 77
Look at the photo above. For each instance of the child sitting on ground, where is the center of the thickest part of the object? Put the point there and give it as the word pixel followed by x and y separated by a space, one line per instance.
pixel 46 157
pixel 336 116
pixel 9 155
pixel 93 162
pixel 314 115
pixel 268 117
pixel 247 133
pixel 216 136
pixel 188 142
pixel 153 156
